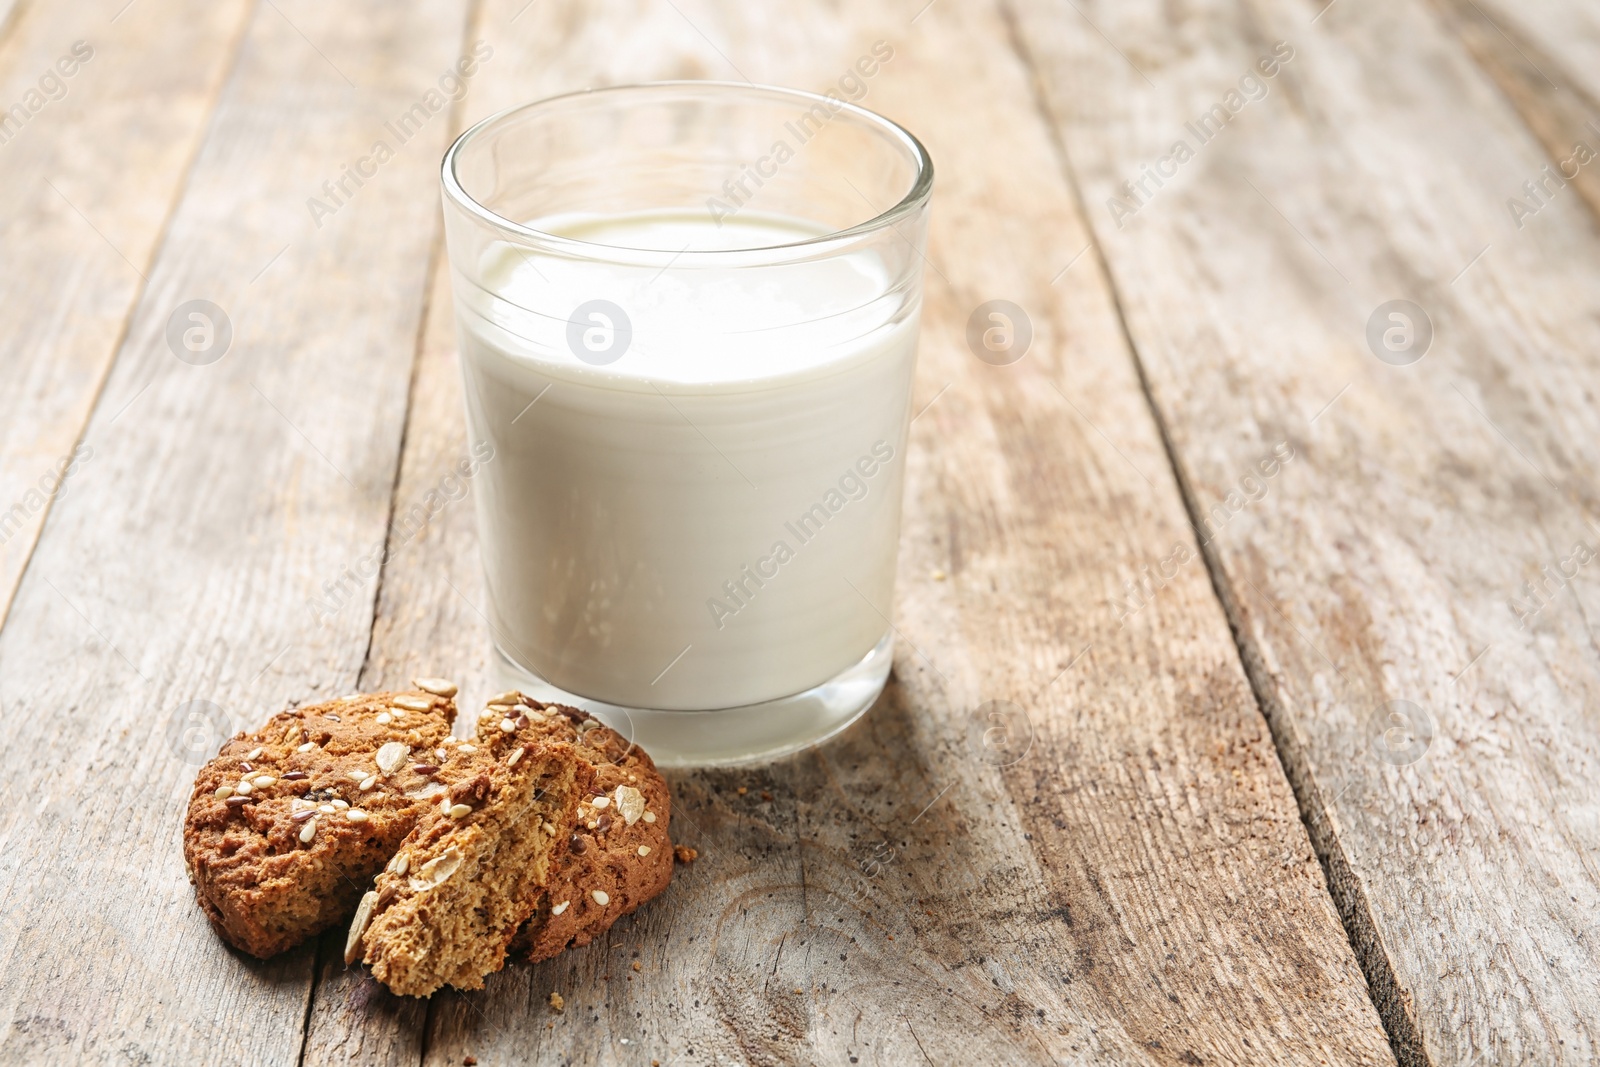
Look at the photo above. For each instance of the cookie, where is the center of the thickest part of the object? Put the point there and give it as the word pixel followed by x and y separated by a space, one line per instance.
pixel 619 854
pixel 446 907
pixel 288 824
pixel 539 832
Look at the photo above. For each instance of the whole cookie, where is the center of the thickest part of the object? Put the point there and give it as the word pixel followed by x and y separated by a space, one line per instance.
pixel 620 854
pixel 288 824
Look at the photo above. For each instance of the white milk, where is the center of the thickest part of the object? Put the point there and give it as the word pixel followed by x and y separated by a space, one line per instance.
pixel 711 520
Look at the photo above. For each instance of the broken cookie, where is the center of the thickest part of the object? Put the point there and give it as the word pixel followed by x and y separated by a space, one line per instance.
pixel 619 855
pixel 288 824
pixel 545 827
pixel 448 904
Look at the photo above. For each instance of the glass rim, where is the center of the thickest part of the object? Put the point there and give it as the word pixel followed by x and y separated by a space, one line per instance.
pixel 913 200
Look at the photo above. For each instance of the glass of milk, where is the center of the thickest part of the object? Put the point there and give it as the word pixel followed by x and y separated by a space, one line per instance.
pixel 687 316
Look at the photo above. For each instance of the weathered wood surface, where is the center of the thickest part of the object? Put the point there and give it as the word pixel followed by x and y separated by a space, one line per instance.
pixel 428 623
pixel 181 569
pixel 1389 560
pixel 1546 58
pixel 1136 888
pixel 108 116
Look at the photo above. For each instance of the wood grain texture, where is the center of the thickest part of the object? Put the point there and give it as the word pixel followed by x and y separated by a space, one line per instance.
pixel 1546 59
pixel 1560 41
pixel 1135 888
pixel 8 11
pixel 427 625
pixel 92 162
pixel 183 570
pixel 1389 560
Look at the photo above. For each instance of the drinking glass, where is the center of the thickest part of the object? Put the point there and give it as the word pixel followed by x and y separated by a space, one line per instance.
pixel 687 315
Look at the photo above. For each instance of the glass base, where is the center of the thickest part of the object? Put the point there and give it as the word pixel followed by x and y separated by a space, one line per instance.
pixel 762 731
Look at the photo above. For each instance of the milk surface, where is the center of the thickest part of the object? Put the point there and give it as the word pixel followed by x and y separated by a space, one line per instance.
pixel 711 519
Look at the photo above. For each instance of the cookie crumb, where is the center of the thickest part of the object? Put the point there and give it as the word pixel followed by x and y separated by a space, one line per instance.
pixel 637 966
pixel 743 790
pixel 470 1061
pixel 558 1002
pixel 685 854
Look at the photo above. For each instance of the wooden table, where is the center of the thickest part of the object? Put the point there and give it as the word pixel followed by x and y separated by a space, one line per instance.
pixel 1200 535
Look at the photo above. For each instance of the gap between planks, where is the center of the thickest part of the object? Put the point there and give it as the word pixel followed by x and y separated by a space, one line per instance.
pixel 1346 891
pixel 1402 1018
pixel 12 13
pixel 327 943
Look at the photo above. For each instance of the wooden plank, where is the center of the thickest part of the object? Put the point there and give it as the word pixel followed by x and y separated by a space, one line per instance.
pixel 1559 40
pixel 1388 561
pixel 8 9
pixel 1546 59
pixel 427 624
pixel 1137 888
pixel 223 499
pixel 101 120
